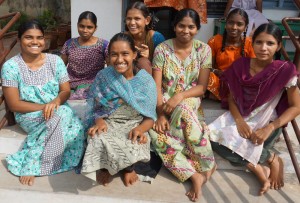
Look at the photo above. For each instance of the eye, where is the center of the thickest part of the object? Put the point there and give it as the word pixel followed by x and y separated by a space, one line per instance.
pixel 41 37
pixel 271 43
pixel 191 27
pixel 90 27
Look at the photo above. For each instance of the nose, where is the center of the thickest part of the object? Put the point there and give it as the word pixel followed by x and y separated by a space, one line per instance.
pixel 264 46
pixel 34 41
pixel 234 26
pixel 185 30
pixel 119 58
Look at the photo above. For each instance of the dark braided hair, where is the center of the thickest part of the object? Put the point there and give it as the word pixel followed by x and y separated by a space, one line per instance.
pixel 271 29
pixel 245 16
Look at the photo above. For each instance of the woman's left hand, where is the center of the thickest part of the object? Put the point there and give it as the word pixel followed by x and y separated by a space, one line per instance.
pixel 144 50
pixel 171 104
pixel 49 109
pixel 259 136
pixel 136 135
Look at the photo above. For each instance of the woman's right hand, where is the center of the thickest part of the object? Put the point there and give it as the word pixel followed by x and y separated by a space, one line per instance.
pixel 243 128
pixel 161 124
pixel 144 50
pixel 99 127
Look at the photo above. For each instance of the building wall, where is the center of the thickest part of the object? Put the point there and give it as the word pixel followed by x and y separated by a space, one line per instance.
pixel 109 16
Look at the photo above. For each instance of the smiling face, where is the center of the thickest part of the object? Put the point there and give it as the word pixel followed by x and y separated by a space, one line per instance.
pixel 86 28
pixel 32 42
pixel 136 22
pixel 121 57
pixel 235 25
pixel 265 46
pixel 185 30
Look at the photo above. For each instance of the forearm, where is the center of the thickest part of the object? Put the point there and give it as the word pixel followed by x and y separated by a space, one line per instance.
pixel 234 110
pixel 25 107
pixel 196 91
pixel 145 125
pixel 288 115
pixel 159 105
pixel 62 97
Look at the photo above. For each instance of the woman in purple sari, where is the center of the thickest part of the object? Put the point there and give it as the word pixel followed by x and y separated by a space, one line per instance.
pixel 262 96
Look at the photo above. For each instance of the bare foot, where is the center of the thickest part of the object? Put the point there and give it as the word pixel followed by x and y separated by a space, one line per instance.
pixel 195 192
pixel 276 176
pixel 262 173
pixel 130 178
pixel 209 173
pixel 103 177
pixel 27 180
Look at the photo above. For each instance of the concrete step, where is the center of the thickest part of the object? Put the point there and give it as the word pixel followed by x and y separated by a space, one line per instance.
pixel 224 186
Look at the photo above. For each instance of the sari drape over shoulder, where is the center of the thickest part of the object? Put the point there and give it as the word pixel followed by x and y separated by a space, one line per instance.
pixel 111 89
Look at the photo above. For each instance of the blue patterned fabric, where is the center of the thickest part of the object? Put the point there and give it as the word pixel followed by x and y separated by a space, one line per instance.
pixel 110 89
pixel 157 38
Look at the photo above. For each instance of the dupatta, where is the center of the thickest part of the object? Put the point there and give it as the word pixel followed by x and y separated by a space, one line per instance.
pixel 110 89
pixel 250 92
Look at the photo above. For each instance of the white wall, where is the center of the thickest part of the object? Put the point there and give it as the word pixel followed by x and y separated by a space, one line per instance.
pixel 108 12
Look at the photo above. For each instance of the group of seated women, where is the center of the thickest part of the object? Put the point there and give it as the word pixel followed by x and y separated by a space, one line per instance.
pixel 132 114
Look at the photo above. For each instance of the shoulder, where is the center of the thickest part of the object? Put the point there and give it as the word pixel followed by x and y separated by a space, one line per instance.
pixel 199 45
pixel 215 39
pixel 12 64
pixel 157 34
pixel 215 42
pixel 248 41
pixel 165 45
pixel 286 65
pixel 157 38
pixel 102 42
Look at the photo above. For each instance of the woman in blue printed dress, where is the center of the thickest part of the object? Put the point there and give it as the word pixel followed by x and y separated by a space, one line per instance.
pixel 36 87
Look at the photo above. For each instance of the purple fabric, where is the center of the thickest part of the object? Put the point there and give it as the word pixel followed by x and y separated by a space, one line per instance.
pixel 84 62
pixel 251 92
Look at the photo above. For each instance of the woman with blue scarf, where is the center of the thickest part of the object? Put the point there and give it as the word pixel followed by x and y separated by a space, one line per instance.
pixel 121 111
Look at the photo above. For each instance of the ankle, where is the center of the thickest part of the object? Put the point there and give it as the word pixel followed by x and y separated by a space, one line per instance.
pixel 271 159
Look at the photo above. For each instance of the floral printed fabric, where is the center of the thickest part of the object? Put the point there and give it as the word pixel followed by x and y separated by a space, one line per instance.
pixel 185 149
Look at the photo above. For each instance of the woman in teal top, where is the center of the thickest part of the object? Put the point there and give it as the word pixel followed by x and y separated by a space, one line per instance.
pixel 36 87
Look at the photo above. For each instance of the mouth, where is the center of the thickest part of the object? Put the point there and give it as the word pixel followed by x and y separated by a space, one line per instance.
pixel 233 32
pixel 121 66
pixel 132 28
pixel 34 47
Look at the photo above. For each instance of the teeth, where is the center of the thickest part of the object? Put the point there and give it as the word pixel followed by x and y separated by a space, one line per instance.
pixel 121 65
pixel 34 47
